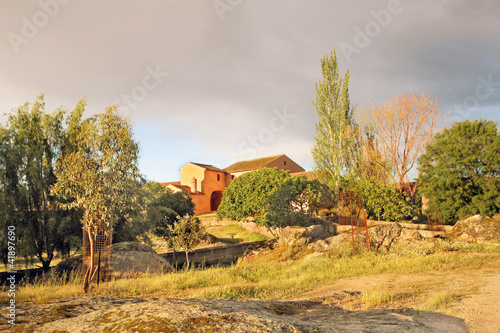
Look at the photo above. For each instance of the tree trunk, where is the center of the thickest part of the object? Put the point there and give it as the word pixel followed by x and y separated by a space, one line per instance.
pixel 187 260
pixel 88 277
pixel 46 265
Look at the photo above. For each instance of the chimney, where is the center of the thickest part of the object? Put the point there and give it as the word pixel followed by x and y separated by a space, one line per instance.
pixel 193 185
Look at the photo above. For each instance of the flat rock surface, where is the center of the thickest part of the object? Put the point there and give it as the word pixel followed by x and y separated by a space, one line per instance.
pixel 113 314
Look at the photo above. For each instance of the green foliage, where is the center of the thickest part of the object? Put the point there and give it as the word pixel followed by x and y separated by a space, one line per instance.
pixel 29 147
pixel 335 143
pixel 152 190
pixel 295 202
pixel 95 175
pixel 248 194
pixel 461 171
pixel 186 233
pixel 165 208
pixel 384 202
pixel 130 223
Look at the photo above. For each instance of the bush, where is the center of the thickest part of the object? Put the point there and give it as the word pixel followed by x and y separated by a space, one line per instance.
pixel 295 202
pixel 383 202
pixel 248 194
pixel 166 209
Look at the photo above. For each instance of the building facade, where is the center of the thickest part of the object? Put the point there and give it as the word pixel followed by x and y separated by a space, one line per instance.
pixel 205 183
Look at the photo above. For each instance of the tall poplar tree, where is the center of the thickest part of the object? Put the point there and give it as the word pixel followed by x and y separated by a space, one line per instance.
pixel 334 152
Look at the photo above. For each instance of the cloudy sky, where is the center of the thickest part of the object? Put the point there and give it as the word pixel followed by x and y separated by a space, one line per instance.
pixel 217 81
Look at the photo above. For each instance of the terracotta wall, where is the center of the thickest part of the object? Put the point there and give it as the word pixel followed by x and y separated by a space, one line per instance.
pixel 189 171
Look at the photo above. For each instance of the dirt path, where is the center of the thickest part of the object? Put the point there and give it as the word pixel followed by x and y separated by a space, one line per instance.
pixel 476 294
pixel 481 312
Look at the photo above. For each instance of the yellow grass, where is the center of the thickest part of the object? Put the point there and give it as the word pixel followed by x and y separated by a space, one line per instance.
pixel 269 279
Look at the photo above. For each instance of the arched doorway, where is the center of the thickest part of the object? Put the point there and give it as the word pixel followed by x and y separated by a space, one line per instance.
pixel 215 199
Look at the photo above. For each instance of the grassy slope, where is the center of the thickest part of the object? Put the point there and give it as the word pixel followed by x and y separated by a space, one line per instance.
pixel 233 233
pixel 276 276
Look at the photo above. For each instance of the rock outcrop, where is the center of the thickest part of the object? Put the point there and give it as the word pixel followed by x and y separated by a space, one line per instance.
pixel 478 229
pixel 113 314
pixel 300 236
pixel 382 238
pixel 127 259
pixel 131 258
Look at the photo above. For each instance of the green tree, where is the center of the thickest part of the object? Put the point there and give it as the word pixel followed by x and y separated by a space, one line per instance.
pixel 248 194
pixel 130 223
pixel 461 170
pixel 336 146
pixel 165 208
pixel 95 174
pixel 295 202
pixel 29 148
pixel 186 233
pixel 384 202
pixel 10 214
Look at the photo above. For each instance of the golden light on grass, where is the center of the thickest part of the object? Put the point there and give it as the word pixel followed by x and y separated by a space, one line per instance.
pixel 268 278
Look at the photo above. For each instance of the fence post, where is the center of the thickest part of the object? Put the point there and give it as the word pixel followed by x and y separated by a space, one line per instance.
pixel 367 235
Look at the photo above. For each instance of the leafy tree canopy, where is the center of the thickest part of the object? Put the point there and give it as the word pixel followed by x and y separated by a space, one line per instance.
pixel 384 202
pixel 335 146
pixel 186 233
pixel 166 207
pixel 248 194
pixel 295 202
pixel 29 148
pixel 461 170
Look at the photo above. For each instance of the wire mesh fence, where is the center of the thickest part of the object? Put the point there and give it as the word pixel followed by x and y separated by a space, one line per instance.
pixel 97 253
pixel 351 211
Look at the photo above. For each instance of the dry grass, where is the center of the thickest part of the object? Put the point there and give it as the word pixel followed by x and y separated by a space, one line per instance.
pixel 233 233
pixel 276 277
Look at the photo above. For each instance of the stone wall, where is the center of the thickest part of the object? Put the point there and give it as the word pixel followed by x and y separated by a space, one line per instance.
pixel 208 256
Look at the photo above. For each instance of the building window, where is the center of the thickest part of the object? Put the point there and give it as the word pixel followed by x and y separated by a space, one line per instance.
pixel 218 177
pixel 284 162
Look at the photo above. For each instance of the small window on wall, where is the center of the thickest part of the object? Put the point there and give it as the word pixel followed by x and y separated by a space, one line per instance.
pixel 218 177
pixel 284 162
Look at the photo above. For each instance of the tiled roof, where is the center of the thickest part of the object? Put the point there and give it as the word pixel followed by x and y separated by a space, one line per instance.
pixel 252 164
pixel 208 167
pixel 170 183
pixel 308 174
pixel 179 186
